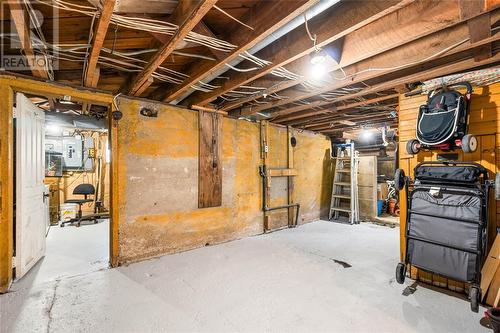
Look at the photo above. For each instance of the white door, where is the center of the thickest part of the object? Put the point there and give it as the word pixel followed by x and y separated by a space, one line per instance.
pixel 30 173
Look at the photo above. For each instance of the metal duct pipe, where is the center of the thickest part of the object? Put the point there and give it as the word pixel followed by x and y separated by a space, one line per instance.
pixel 315 10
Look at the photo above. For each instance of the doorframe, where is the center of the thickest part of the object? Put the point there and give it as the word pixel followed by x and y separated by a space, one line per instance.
pixel 9 85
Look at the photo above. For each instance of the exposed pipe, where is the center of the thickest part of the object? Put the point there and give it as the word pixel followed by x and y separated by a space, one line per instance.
pixel 315 10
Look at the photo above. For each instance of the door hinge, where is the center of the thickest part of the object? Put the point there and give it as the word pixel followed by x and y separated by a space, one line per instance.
pixel 13 262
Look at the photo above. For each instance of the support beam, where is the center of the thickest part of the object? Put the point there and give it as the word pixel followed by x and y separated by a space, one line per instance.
pixel 426 74
pixel 186 15
pixel 314 113
pixel 89 77
pixel 329 26
pixel 396 34
pixel 328 118
pixel 266 17
pixel 414 54
pixel 478 26
pixel 22 24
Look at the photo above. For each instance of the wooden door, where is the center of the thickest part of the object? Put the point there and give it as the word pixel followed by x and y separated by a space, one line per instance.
pixel 30 166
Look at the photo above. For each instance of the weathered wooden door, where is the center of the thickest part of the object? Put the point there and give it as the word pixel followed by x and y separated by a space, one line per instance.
pixel 30 161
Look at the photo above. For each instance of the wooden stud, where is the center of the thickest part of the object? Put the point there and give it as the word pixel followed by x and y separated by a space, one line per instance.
pixel 290 179
pixel 6 186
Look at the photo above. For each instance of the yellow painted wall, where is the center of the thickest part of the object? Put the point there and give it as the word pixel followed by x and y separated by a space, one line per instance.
pixel 485 124
pixel 158 180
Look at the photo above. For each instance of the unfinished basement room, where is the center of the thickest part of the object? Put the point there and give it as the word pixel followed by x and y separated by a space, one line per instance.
pixel 249 166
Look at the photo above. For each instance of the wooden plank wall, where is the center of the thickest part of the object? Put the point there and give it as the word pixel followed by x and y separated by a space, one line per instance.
pixel 485 124
pixel 210 166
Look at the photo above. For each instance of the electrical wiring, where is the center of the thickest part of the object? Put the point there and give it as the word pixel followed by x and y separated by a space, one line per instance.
pixel 143 24
pixel 232 17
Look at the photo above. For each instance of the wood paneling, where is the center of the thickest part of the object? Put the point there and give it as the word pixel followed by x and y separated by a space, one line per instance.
pixel 485 124
pixel 210 162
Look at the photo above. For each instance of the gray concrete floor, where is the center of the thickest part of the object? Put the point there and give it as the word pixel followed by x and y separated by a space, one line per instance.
pixel 71 251
pixel 283 281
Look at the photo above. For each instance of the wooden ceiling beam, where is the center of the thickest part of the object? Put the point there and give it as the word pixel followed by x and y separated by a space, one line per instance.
pixel 265 18
pixel 416 54
pixel 426 74
pixel 314 113
pixel 396 39
pixel 186 15
pixel 322 126
pixel 329 26
pixel 329 117
pixel 90 79
pixel 22 24
pixel 478 25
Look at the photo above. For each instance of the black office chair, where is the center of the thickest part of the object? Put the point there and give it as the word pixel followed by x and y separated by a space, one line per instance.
pixel 85 190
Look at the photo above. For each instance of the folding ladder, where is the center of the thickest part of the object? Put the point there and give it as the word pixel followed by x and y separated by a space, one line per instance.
pixel 344 199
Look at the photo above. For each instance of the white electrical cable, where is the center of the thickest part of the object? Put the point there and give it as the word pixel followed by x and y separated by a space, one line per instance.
pixel 232 17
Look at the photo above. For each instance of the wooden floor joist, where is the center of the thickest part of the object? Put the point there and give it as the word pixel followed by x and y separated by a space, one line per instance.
pixel 91 75
pixel 273 15
pixel 187 15
pixel 403 43
pixel 328 27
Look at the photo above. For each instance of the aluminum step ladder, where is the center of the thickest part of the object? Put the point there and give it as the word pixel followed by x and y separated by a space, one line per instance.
pixel 344 199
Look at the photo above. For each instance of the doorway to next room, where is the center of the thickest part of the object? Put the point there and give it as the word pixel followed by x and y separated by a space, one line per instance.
pixel 61 188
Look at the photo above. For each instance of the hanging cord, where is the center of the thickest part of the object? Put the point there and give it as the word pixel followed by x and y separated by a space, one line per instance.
pixel 232 17
pixel 313 38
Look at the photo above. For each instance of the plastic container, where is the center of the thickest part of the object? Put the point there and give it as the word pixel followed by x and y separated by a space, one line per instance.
pixel 68 211
pixel 380 207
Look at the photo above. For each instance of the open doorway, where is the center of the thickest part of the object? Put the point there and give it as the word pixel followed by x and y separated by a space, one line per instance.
pixel 61 188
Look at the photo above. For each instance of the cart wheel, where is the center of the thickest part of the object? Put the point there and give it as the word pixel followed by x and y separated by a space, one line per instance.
pixel 399 179
pixel 469 143
pixel 95 221
pixel 400 273
pixel 474 295
pixel 78 225
pixel 62 225
pixel 412 147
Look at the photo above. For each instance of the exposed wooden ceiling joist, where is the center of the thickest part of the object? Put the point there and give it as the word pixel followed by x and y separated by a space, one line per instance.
pixel 393 35
pixel 416 53
pixel 266 18
pixel 186 16
pixel 22 24
pixel 425 74
pixel 91 75
pixel 328 27
pixel 335 108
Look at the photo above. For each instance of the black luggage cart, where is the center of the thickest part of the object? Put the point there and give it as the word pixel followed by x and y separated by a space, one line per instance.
pixel 446 221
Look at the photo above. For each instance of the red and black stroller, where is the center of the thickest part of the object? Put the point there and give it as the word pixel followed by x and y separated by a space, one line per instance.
pixel 442 123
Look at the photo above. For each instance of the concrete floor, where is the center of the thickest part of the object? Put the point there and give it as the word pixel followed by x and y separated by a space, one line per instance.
pixel 71 251
pixel 283 281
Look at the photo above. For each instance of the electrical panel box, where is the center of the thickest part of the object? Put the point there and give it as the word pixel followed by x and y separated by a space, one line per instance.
pixel 72 152
pixel 70 147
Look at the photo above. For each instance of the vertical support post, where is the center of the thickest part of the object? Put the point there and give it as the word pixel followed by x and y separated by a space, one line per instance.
pixel 291 180
pixel 114 188
pixel 6 185
pixel 264 150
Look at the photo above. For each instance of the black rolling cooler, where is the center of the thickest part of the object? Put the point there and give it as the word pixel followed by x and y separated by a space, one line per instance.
pixel 446 225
